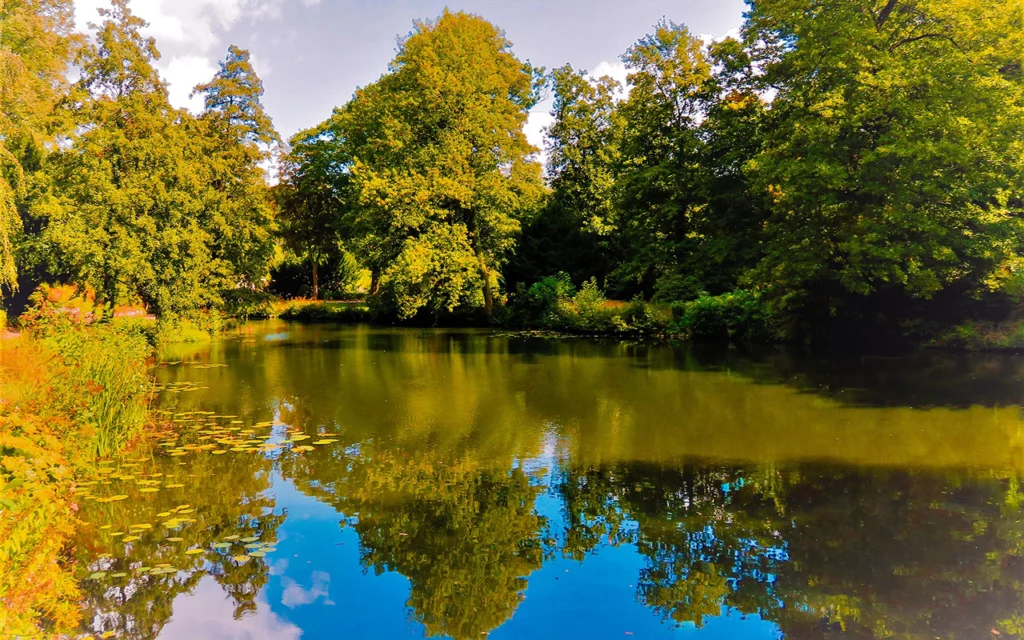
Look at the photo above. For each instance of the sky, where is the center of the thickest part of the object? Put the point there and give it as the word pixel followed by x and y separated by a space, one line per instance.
pixel 313 54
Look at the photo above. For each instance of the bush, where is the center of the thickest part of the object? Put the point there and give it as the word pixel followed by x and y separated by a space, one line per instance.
pixel 195 328
pixel 739 315
pixel 247 304
pixel 326 312
pixel 539 306
pixel 555 304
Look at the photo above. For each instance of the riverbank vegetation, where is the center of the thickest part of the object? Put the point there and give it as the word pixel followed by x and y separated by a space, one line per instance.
pixel 850 171
pixel 68 396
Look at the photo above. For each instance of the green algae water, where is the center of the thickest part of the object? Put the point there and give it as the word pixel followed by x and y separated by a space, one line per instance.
pixel 324 482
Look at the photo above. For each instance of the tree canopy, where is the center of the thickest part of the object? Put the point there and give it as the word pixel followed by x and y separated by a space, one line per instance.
pixel 851 165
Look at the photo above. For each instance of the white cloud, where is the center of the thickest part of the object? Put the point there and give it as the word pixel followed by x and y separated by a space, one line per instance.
pixel 296 596
pixel 182 74
pixel 188 34
pixel 208 613
pixel 731 33
pixel 540 119
pixel 615 70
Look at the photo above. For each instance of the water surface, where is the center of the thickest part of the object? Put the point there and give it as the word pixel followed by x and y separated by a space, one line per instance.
pixel 327 482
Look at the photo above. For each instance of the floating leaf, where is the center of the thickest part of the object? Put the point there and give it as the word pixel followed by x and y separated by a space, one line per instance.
pixel 251 539
pixel 130 538
pixel 175 539
pixel 97 575
pixel 194 552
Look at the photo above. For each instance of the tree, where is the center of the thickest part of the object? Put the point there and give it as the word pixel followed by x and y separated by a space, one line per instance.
pixel 571 233
pixel 893 161
pixel 441 173
pixel 147 203
pixel 658 178
pixel 240 137
pixel 312 197
pixel 36 47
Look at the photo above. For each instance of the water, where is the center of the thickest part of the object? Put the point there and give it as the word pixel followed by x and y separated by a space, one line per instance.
pixel 464 484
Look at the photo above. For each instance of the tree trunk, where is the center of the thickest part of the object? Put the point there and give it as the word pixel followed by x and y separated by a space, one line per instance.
pixel 488 294
pixel 374 281
pixel 316 282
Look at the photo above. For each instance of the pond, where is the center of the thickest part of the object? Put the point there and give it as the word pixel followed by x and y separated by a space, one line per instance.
pixel 357 482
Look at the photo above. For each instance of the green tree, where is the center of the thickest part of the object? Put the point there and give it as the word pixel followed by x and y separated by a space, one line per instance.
pixel 441 172
pixel 147 203
pixel 571 233
pixel 36 46
pixel 893 162
pixel 312 197
pixel 657 182
pixel 240 136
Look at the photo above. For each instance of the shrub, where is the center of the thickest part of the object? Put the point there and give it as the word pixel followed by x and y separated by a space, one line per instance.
pixel 247 304
pixel 326 312
pixel 195 328
pixel 539 306
pixel 739 315
pixel 643 318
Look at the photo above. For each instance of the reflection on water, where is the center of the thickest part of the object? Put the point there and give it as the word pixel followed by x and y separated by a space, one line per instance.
pixel 402 483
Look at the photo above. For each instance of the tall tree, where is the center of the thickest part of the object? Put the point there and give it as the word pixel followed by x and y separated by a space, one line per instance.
pixel 658 176
pixel 36 46
pixel 132 205
pixel 571 233
pixel 312 197
pixel 893 164
pixel 241 137
pixel 441 172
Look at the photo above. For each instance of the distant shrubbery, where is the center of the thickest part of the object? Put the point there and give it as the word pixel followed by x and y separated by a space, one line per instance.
pixel 313 312
pixel 555 304
pixel 739 315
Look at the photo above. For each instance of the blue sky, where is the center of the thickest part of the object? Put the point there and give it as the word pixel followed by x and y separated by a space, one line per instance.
pixel 312 54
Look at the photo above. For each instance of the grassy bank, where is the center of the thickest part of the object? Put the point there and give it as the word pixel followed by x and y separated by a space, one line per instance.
pixel 68 395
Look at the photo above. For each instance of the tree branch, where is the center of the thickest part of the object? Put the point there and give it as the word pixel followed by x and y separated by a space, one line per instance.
pixel 887 10
pixel 942 36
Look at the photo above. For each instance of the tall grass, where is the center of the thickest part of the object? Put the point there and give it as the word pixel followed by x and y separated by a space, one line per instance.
pixel 105 387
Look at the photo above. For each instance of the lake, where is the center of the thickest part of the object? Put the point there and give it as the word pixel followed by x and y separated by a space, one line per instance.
pixel 357 482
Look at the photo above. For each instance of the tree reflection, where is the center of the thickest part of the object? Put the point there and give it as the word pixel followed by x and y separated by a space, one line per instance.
pixel 226 500
pixel 823 552
pixel 466 535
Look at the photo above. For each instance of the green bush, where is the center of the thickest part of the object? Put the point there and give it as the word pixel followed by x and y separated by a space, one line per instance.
pixel 246 304
pixel 539 306
pixel 326 312
pixel 195 328
pixel 739 315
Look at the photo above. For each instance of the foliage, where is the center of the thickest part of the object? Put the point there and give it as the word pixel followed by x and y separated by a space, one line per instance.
pixel 433 168
pixel 326 312
pixel 145 201
pixel 246 304
pixel 892 163
pixel 67 394
pixel 555 304
pixel 35 50
pixel 740 315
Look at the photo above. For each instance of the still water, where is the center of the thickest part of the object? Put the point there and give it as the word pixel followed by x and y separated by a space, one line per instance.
pixel 326 482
